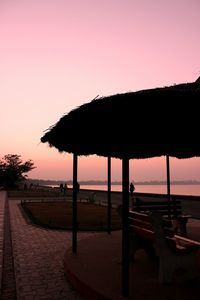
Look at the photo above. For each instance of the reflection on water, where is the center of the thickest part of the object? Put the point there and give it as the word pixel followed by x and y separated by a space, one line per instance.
pixel 187 189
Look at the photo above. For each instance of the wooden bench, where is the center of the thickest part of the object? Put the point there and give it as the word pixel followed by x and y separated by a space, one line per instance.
pixel 156 236
pixel 170 209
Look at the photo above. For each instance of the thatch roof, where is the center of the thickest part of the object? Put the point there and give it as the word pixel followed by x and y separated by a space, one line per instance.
pixel 147 123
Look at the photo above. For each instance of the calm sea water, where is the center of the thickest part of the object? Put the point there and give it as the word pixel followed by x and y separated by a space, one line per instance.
pixel 193 189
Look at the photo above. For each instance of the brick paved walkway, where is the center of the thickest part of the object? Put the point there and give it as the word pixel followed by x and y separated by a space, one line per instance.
pixel 2 227
pixel 38 259
pixel 8 275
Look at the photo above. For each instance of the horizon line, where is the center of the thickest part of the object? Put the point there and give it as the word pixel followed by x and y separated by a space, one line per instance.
pixel 117 182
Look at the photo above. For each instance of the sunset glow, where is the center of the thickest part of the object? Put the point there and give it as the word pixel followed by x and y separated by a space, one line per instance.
pixel 56 55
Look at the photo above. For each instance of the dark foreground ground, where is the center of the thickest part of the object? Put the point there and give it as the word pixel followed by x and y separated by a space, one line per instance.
pixel 37 255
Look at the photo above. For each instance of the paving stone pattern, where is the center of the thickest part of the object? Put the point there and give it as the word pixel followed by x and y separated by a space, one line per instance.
pixel 8 278
pixel 38 259
pixel 2 223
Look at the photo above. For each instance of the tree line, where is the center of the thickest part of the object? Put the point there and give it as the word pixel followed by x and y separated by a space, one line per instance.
pixel 13 170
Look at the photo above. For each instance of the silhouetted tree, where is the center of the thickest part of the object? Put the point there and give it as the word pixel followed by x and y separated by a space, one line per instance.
pixel 12 169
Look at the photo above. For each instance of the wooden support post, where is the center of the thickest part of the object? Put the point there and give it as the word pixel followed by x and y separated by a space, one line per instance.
pixel 74 205
pixel 125 227
pixel 109 197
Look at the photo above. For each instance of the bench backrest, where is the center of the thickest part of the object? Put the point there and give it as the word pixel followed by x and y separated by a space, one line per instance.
pixel 173 208
pixel 141 224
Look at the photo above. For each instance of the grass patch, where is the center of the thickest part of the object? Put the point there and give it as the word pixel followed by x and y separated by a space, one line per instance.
pixel 59 215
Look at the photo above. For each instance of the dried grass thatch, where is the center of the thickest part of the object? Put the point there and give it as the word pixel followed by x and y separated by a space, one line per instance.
pixel 147 123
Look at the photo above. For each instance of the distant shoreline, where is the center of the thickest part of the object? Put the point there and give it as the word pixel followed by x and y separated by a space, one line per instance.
pixel 104 182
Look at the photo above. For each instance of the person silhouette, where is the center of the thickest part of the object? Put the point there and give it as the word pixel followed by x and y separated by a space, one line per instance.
pixel 77 187
pixel 132 188
pixel 65 189
pixel 61 188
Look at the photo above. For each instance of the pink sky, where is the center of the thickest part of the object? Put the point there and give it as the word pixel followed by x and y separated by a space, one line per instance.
pixel 56 55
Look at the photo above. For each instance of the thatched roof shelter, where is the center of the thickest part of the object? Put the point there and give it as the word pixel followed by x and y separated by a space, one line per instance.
pixel 148 123
pixel 143 124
